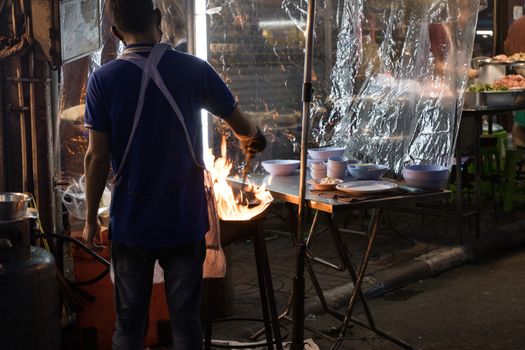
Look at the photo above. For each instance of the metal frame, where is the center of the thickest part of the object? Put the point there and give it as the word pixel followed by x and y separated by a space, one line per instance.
pixel 326 207
pixel 269 310
pixel 477 114
pixel 357 278
pixel 298 283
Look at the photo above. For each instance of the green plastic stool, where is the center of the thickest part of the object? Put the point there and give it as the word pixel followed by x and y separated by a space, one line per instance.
pixel 491 161
pixel 509 189
pixel 501 145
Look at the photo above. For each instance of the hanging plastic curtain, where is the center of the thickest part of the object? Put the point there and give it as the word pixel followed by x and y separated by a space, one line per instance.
pixel 258 48
pixel 399 79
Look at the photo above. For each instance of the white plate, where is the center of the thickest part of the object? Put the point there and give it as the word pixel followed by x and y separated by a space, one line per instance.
pixel 366 187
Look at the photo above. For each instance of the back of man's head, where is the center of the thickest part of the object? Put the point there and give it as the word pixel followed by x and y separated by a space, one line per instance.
pixel 132 16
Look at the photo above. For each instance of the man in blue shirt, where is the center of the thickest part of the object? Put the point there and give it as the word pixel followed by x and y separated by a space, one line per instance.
pixel 143 115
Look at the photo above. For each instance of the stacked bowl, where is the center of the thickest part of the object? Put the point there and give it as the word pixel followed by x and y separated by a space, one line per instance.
pixel 336 167
pixel 318 170
pixel 427 177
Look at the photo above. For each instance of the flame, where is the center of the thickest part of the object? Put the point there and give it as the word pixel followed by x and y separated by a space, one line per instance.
pixel 233 205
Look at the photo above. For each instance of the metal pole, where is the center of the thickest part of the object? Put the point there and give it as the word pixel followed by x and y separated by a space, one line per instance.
pixel 21 105
pixel 3 168
pixel 298 310
pixel 190 26
pixel 32 107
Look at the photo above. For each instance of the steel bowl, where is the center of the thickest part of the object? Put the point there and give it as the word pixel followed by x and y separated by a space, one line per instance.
pixel 13 206
pixel 479 61
pixel 500 98
pixel 519 68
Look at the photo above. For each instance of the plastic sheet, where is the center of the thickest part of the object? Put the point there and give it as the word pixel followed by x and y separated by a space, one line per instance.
pixel 399 79
pixel 388 76
pixel 258 48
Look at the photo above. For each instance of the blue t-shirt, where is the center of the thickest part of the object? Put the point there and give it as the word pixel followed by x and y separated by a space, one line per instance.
pixel 160 200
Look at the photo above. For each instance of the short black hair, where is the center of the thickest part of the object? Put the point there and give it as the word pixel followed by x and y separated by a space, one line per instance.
pixel 132 16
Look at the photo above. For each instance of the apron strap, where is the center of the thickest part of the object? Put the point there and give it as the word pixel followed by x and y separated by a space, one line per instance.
pixel 150 71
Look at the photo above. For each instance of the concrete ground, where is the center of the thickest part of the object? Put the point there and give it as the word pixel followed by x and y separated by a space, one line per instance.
pixel 476 306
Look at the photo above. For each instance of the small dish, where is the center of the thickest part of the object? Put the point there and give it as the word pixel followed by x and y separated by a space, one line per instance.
pixel 317 185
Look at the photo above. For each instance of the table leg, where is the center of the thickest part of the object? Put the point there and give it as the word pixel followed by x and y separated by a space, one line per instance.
pixel 343 253
pixel 479 127
pixel 356 293
pixel 266 290
pixel 459 197
pixel 313 227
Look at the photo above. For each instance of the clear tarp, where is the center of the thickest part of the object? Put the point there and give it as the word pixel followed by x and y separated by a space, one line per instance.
pixel 399 79
pixel 388 75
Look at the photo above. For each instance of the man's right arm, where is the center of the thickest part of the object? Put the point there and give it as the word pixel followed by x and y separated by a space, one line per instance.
pixel 250 136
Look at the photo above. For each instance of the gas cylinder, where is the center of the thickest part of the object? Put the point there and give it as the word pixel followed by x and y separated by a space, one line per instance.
pixel 29 311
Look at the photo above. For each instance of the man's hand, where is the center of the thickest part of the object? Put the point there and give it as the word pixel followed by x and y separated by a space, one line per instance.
pixel 92 231
pixel 250 136
pixel 252 145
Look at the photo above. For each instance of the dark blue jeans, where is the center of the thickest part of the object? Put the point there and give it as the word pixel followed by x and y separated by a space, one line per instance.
pixel 133 268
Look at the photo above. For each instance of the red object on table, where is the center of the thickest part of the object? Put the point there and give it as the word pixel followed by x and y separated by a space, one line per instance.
pixel 100 315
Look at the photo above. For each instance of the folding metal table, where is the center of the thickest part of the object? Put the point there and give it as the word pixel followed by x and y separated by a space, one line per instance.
pixel 286 188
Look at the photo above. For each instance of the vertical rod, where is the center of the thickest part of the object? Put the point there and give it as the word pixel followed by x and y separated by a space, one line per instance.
pixel 298 310
pixel 3 168
pixel 32 110
pixel 459 185
pixel 374 227
pixel 23 133
pixel 479 130
pixel 190 26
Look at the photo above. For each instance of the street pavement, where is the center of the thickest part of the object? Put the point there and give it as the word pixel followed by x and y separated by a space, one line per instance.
pixel 479 305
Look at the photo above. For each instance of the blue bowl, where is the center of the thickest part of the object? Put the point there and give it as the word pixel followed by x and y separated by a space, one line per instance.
pixel 426 171
pixel 367 172
pixel 428 177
